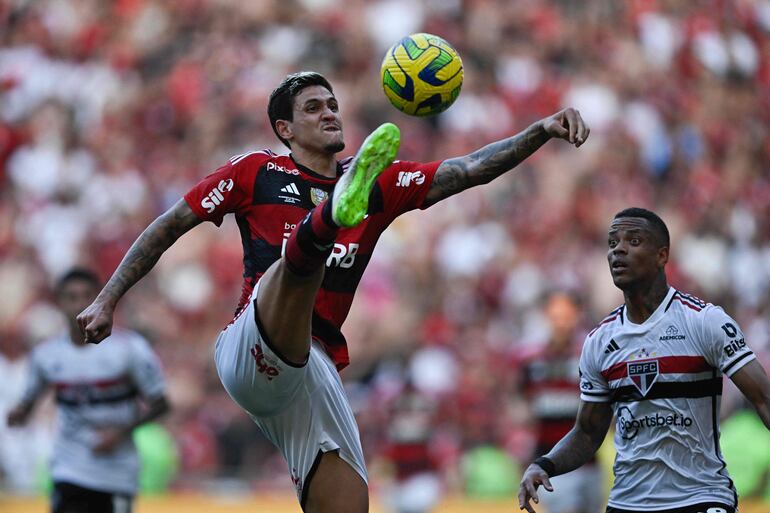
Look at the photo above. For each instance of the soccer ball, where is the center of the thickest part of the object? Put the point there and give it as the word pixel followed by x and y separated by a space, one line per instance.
pixel 422 75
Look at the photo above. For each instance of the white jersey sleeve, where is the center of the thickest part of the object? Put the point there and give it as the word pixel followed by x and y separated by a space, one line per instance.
pixel 593 386
pixel 724 344
pixel 145 368
pixel 36 380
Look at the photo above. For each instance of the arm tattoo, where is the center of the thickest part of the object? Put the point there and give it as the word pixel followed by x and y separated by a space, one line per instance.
pixel 484 165
pixel 584 440
pixel 147 249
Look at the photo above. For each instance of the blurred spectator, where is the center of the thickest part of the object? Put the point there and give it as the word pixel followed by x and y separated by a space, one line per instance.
pixel 22 451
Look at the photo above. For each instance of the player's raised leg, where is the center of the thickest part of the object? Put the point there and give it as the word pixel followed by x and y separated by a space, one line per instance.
pixel 287 291
pixel 336 487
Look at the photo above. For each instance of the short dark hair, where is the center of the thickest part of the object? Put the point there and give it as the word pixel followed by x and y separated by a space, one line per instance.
pixel 658 226
pixel 281 102
pixel 77 274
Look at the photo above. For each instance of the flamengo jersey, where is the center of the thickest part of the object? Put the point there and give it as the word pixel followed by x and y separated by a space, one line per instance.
pixel 269 194
pixel 551 385
pixel 664 380
pixel 96 386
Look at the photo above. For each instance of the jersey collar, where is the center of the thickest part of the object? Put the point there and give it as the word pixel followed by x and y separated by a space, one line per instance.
pixel 316 176
pixel 656 315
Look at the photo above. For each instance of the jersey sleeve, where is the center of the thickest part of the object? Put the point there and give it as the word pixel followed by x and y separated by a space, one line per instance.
pixel 724 344
pixel 593 386
pixel 146 370
pixel 405 185
pixel 35 381
pixel 226 190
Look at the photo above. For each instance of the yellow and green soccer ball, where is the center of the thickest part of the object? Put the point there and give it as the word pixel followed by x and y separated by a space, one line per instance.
pixel 422 75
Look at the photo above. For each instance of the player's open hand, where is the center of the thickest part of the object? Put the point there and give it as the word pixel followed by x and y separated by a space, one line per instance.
pixel 533 477
pixel 568 125
pixel 95 322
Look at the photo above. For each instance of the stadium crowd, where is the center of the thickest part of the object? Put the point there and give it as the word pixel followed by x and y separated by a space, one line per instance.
pixel 110 111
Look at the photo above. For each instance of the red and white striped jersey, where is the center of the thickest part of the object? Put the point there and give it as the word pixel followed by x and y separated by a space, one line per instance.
pixel 96 386
pixel 664 380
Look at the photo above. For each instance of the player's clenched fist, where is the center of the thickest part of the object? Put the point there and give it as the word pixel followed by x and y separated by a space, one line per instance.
pixel 95 322
pixel 532 478
pixel 568 125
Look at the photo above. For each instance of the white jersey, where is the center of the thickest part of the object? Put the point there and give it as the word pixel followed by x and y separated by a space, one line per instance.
pixel 96 386
pixel 664 380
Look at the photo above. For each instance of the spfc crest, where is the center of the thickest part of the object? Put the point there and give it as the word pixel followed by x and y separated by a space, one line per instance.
pixel 643 374
pixel 317 195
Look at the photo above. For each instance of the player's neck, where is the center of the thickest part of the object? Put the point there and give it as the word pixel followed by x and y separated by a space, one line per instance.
pixel 324 164
pixel 641 302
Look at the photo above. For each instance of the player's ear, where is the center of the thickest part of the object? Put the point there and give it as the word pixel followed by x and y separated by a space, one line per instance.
pixel 283 127
pixel 662 256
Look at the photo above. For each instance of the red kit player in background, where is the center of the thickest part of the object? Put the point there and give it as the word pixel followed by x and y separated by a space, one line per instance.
pixel 279 358
pixel 552 386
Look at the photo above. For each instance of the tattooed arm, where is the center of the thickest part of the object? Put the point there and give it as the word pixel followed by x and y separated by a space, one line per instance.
pixel 484 165
pixel 96 320
pixel 572 451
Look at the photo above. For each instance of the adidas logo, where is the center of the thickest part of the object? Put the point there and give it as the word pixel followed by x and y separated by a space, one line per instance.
pixel 291 189
pixel 612 346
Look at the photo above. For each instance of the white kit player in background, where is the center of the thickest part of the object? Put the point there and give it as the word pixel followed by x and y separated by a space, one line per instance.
pixel 655 363
pixel 102 394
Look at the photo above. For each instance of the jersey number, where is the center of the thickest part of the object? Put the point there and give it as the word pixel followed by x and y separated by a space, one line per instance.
pixel 731 331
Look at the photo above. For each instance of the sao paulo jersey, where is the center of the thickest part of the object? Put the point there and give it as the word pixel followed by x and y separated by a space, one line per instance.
pixel 664 380
pixel 269 194
pixel 96 386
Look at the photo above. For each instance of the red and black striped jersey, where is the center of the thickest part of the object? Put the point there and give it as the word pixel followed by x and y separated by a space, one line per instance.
pixel 550 382
pixel 269 194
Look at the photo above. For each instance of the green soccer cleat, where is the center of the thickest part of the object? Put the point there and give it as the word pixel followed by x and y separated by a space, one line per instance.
pixel 351 194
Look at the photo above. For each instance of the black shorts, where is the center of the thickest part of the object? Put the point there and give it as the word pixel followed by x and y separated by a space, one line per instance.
pixel 703 507
pixel 70 498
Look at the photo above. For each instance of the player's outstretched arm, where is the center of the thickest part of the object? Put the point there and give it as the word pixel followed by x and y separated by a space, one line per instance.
pixel 753 382
pixel 484 165
pixel 96 320
pixel 572 451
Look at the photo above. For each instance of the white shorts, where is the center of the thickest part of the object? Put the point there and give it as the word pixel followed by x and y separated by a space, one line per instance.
pixel 419 493
pixel 302 409
pixel 578 491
